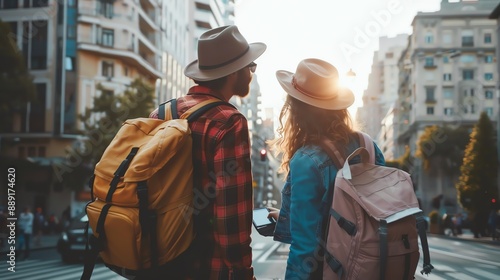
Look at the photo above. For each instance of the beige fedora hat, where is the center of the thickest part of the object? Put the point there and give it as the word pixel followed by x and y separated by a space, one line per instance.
pixel 222 51
pixel 316 82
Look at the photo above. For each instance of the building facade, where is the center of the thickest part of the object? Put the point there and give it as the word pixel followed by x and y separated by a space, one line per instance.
pixel 77 50
pixel 447 78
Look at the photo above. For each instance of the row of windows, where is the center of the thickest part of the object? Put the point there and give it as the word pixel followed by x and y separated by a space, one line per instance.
pixel 448 93
pixel 31 151
pixel 108 69
pixel 429 61
pixel 469 109
pixel 467 38
pixel 14 4
pixel 468 75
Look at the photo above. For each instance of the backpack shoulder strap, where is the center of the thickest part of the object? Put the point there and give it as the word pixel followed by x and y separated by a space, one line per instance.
pixel 366 142
pixel 168 112
pixel 199 109
pixel 332 152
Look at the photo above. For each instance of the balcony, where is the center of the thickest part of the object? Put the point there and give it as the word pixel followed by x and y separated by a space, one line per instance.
pixel 148 13
pixel 142 60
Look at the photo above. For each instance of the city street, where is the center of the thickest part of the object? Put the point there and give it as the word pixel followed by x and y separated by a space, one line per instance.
pixel 453 258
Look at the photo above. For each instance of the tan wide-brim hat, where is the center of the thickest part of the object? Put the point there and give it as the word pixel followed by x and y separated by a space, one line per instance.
pixel 222 51
pixel 316 82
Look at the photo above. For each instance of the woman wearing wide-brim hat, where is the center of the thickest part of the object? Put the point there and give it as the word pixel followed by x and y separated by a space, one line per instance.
pixel 315 110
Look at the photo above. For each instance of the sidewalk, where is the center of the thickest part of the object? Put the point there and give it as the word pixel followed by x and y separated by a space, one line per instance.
pixel 467 235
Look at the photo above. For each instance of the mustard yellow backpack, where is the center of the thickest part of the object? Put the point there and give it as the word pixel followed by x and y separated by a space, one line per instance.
pixel 142 193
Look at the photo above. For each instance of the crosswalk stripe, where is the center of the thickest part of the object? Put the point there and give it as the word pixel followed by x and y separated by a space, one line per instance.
pixel 57 273
pixel 485 274
pixel 100 272
pixel 256 254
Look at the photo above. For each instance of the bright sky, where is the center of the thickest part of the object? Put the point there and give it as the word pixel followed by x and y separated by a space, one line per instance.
pixel 344 33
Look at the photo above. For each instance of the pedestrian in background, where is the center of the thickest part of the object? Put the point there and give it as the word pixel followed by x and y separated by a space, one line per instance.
pixel 221 157
pixel 315 107
pixel 38 226
pixel 25 230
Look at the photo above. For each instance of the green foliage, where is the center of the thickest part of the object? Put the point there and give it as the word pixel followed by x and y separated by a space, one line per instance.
pixel 16 84
pixel 110 110
pixel 477 182
pixel 443 142
pixel 404 162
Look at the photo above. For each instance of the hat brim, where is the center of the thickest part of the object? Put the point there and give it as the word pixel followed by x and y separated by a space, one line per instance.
pixel 194 72
pixel 343 99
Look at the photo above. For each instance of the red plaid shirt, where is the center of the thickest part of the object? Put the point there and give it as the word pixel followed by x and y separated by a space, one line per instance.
pixel 223 190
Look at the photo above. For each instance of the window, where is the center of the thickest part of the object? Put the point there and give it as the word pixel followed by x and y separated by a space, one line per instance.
pixel 446 59
pixel 9 4
pixel 447 77
pixel 69 63
pixel 488 94
pixel 429 62
pixel 105 8
pixel 429 38
pixel 125 71
pixel 429 94
pixel 107 69
pixel 448 111
pixel 430 110
pixel 36 44
pixel 469 92
pixel 489 111
pixel 467 38
pixel 488 58
pixel 448 93
pixel 40 3
pixel 36 115
pixel 468 74
pixel 488 76
pixel 108 36
pixel 447 39
pixel 487 38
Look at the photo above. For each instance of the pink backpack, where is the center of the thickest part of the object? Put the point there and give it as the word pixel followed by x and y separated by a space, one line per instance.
pixel 374 221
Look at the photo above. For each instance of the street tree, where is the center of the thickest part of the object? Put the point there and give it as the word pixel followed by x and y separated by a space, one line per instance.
pixel 477 184
pixel 441 148
pixel 103 120
pixel 16 83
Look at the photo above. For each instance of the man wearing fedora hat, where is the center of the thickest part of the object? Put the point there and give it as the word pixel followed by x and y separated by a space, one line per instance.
pixel 315 109
pixel 223 201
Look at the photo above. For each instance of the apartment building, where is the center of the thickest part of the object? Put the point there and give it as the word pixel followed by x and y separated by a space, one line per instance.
pixel 70 47
pixel 382 92
pixel 117 42
pixel 448 75
pixel 36 139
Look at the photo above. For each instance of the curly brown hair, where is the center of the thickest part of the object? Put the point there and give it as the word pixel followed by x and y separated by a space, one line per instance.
pixel 302 124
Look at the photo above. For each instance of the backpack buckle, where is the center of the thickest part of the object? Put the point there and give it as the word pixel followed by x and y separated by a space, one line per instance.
pixel 348 226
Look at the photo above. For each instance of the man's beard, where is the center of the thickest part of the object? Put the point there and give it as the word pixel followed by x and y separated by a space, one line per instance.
pixel 242 86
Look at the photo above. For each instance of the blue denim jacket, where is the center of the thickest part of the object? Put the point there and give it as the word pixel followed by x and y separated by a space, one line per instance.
pixel 304 207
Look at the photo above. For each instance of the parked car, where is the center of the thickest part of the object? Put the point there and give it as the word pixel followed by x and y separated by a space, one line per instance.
pixel 71 244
